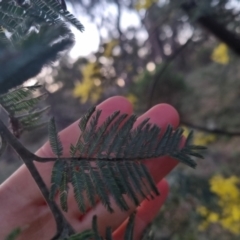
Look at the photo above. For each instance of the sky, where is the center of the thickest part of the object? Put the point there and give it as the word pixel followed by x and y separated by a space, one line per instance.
pixel 88 41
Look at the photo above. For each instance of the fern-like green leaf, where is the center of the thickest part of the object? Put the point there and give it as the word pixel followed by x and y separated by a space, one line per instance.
pixel 18 94
pixel 25 105
pixel 54 139
pixel 14 234
pixel 82 183
pixel 21 105
pixel 107 159
pixel 64 14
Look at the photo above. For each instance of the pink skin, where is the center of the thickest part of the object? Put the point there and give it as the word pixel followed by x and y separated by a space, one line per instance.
pixel 22 204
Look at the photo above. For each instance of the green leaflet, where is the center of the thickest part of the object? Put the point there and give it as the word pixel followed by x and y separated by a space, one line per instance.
pixel 130 227
pixel 18 94
pixel 57 8
pixel 14 234
pixel 95 229
pixel 26 105
pixel 56 178
pixel 22 106
pixel 54 139
pixel 59 182
pixel 86 235
pixel 78 186
pixel 64 190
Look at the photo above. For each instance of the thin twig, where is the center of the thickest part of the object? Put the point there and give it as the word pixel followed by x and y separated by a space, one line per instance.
pixel 167 63
pixel 28 158
pixel 213 131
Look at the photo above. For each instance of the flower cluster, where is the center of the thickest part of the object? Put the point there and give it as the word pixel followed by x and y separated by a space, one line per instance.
pixel 228 194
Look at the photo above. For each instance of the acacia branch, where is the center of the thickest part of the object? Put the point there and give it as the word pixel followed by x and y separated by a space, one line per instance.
pixel 62 225
pixel 213 131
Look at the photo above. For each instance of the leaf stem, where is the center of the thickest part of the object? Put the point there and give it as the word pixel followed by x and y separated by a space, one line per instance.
pixel 63 227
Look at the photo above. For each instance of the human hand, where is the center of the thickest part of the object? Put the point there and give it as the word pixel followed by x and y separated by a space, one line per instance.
pixel 22 204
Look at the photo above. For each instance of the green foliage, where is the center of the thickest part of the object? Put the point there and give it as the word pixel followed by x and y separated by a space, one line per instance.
pixel 14 234
pixel 108 159
pixel 21 106
pixel 18 20
pixel 37 51
pixel 54 139
pixel 32 34
pixel 86 235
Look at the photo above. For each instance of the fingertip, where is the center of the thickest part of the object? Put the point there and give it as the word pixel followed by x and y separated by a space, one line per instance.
pixel 163 187
pixel 164 114
pixel 116 103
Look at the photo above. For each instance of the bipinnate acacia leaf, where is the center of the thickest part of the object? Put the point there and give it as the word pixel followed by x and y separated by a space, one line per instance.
pixel 108 159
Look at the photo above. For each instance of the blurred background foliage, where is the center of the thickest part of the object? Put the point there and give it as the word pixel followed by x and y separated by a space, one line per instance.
pixel 181 52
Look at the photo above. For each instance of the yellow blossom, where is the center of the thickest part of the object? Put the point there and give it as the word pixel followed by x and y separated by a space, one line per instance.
pixel 144 4
pixel 200 138
pixel 87 89
pixel 228 194
pixel 220 54
pixel 109 48
pixel 132 98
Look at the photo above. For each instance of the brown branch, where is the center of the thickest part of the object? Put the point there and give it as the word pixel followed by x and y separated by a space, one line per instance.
pixel 217 29
pixel 63 227
pixel 167 63
pixel 212 131
pixel 119 12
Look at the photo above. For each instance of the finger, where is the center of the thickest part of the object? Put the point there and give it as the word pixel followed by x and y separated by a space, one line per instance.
pixel 145 213
pixel 162 115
